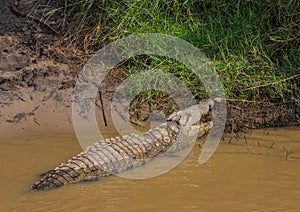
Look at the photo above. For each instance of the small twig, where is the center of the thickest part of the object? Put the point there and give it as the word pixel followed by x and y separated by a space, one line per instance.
pixel 35 120
pixel 102 108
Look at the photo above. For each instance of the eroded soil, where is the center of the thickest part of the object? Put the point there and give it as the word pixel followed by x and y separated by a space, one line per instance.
pixel 37 78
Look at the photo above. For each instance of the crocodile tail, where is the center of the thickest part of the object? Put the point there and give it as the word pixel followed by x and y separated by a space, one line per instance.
pixel 110 156
pixel 78 168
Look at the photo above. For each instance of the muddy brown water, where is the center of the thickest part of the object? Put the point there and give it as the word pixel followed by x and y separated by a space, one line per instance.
pixel 251 174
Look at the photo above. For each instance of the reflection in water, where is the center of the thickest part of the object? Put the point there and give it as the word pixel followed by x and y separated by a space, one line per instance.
pixel 243 174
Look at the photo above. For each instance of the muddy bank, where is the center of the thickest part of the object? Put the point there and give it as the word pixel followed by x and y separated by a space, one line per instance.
pixel 37 81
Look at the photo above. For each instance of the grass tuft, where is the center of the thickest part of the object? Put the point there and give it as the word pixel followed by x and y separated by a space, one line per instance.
pixel 254 45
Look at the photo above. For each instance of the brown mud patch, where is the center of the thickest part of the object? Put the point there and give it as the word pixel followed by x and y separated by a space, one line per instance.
pixel 37 78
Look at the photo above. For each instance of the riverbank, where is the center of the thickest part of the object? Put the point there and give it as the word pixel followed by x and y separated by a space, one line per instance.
pixel 40 61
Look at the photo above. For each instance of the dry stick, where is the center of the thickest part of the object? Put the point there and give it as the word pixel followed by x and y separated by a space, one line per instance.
pixel 102 108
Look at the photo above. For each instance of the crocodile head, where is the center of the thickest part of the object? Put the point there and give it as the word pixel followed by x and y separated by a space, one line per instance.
pixel 189 121
pixel 191 116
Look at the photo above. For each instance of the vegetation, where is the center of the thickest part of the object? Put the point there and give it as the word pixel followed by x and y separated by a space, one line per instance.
pixel 254 45
pixel 286 151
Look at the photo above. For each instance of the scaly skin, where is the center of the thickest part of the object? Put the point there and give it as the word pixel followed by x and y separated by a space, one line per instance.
pixel 114 155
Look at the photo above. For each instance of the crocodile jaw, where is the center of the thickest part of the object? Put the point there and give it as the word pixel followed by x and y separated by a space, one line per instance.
pixel 199 130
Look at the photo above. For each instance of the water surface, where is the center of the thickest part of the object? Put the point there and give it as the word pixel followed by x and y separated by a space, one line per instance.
pixel 243 174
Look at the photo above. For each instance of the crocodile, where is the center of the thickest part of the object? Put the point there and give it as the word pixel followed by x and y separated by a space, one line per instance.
pixel 115 155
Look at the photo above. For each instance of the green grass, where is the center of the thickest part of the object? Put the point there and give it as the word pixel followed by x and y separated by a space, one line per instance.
pixel 254 45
